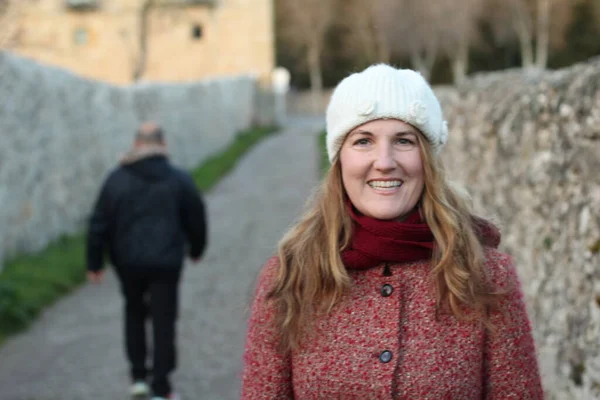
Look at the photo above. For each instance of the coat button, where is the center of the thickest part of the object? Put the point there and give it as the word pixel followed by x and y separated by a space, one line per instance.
pixel 385 356
pixel 386 290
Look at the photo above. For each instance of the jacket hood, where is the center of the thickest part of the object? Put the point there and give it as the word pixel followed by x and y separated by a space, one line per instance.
pixel 140 153
pixel 152 168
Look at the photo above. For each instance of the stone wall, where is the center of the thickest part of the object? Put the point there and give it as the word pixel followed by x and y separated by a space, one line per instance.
pixel 60 134
pixel 528 148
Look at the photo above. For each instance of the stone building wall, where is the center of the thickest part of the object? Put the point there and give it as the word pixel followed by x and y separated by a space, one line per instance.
pixel 60 134
pixel 528 148
pixel 234 37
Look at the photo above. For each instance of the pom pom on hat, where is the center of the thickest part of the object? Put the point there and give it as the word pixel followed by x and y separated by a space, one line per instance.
pixel 382 91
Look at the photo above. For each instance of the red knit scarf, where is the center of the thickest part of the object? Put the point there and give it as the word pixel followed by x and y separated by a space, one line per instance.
pixel 376 241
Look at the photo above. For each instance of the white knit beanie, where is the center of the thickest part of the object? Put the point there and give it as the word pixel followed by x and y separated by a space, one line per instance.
pixel 382 91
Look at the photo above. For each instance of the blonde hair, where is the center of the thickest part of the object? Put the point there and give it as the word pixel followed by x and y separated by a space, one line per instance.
pixel 312 278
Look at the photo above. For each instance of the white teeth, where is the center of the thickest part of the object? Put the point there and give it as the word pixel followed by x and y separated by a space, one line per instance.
pixel 385 184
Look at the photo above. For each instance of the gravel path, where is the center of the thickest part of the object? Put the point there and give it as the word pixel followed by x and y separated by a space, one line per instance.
pixel 74 351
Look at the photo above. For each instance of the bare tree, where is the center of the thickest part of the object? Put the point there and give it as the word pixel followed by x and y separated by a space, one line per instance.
pixel 365 33
pixel 375 28
pixel 562 16
pixel 304 24
pixel 523 25
pixel 538 25
pixel 420 37
pixel 381 29
pixel 542 33
pixel 388 26
pixel 459 32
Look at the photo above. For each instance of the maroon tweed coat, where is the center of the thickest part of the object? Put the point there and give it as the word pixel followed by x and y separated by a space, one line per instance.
pixel 384 342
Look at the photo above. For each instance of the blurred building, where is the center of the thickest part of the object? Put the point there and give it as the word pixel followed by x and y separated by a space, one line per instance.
pixel 161 40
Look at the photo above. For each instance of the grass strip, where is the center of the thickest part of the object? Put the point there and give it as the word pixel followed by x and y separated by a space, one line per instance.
pixel 323 160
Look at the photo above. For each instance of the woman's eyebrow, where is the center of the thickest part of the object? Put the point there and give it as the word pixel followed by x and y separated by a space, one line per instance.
pixel 368 133
pixel 406 133
pixel 361 132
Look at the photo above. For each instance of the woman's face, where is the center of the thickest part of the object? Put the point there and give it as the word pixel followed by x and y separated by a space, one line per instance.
pixel 382 170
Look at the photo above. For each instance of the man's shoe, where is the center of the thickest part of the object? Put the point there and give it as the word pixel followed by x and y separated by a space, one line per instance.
pixel 172 396
pixel 139 388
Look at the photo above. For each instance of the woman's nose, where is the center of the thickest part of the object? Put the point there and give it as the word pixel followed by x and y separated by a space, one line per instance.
pixel 384 159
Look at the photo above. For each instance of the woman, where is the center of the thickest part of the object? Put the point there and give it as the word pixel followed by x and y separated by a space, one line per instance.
pixel 389 287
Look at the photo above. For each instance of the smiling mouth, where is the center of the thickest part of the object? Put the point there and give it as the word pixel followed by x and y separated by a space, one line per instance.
pixel 385 185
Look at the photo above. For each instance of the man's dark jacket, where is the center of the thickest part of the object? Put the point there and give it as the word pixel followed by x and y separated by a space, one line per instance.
pixel 148 214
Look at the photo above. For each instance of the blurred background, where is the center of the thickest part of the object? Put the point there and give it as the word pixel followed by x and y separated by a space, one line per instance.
pixel 241 87
pixel 319 41
pixel 443 39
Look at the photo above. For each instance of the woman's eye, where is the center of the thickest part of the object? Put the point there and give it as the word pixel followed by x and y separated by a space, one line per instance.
pixel 362 141
pixel 405 142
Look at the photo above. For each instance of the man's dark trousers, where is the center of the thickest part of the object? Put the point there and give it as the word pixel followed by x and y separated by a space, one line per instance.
pixel 153 294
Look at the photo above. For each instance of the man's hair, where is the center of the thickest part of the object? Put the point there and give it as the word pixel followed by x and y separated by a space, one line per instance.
pixel 150 133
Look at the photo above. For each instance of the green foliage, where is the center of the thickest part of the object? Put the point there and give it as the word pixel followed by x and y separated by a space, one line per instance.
pixel 29 283
pixel 577 371
pixel 217 166
pixel 595 246
pixel 323 160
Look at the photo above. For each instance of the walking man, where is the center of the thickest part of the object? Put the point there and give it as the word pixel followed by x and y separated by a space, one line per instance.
pixel 149 215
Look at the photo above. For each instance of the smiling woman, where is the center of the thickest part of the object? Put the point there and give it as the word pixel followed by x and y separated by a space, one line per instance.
pixel 389 287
